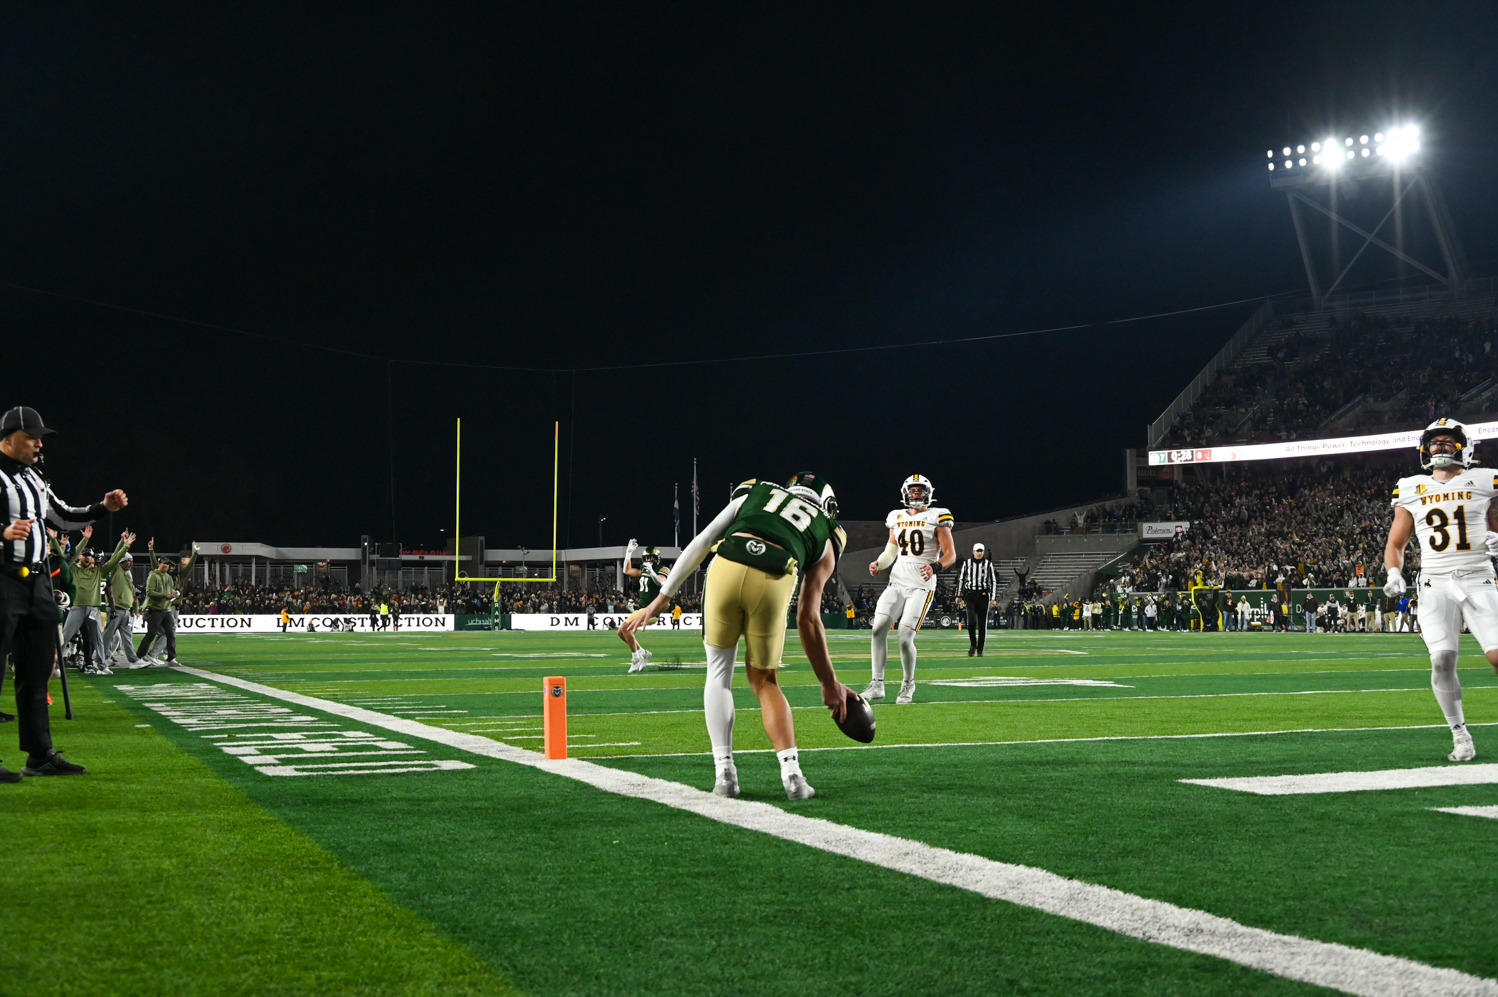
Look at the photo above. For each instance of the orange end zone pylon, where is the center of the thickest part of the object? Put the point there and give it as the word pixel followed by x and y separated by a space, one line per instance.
pixel 554 715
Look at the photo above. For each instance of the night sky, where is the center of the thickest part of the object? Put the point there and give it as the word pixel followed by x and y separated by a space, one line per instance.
pixel 579 189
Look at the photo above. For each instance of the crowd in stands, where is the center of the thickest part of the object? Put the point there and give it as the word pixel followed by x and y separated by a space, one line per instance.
pixel 1323 526
pixel 1406 370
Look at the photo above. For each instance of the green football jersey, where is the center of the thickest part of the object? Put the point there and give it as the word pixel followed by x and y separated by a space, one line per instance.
pixel 648 588
pixel 774 514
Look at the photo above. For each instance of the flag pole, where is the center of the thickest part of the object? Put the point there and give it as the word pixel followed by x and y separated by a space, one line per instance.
pixel 696 507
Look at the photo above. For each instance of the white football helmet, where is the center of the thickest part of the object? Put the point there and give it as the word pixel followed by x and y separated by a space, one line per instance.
pixel 925 482
pixel 1465 448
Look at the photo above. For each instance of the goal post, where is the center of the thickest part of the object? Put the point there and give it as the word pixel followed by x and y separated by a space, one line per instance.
pixel 458 575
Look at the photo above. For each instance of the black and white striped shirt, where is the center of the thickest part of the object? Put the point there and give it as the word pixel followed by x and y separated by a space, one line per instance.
pixel 977 576
pixel 25 494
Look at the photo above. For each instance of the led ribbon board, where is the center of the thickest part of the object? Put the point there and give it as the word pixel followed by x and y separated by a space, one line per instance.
pixel 1308 448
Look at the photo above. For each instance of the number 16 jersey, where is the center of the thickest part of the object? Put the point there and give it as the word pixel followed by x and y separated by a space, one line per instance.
pixel 1451 519
pixel 915 535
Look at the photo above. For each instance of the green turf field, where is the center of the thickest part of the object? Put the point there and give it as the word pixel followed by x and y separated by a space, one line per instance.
pixel 230 840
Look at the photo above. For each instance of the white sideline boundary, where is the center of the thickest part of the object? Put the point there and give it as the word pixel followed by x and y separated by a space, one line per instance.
pixel 1327 964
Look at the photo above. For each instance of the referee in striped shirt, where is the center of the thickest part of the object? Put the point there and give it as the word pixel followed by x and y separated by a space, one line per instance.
pixel 977 584
pixel 28 611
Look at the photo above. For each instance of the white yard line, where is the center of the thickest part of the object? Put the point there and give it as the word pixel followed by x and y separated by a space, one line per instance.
pixel 1049 740
pixel 1326 964
pixel 1358 782
pixel 1489 812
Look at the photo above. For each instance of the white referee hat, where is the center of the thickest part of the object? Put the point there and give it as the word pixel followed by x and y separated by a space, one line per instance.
pixel 978 547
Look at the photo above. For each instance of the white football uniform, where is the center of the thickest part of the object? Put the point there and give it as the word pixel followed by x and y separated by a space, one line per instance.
pixel 1456 578
pixel 908 596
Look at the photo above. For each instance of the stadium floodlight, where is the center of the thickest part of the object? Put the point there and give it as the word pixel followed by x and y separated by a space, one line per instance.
pixel 1334 169
pixel 458 576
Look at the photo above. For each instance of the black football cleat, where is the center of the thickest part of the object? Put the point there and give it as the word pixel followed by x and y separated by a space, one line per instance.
pixel 54 764
pixel 6 718
pixel 6 775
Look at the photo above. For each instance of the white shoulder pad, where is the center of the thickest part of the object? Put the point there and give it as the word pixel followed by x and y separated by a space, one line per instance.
pixel 943 517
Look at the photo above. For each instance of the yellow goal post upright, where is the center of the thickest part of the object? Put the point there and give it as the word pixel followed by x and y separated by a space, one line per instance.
pixel 458 575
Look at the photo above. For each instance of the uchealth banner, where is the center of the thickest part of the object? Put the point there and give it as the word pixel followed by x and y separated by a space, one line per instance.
pixel 1309 448
pixel 233 623
pixel 1163 531
pixel 601 621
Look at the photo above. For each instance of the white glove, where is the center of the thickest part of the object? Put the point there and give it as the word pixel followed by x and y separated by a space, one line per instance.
pixel 1491 543
pixel 1394 587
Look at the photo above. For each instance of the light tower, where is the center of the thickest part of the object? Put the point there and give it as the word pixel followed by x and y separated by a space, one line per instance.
pixel 1320 175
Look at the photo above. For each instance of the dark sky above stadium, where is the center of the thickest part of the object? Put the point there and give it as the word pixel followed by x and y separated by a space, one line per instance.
pixel 568 188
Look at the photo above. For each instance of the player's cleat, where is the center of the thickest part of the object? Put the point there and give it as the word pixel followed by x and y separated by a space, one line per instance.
pixel 639 660
pixel 980 652
pixel 6 775
pixel 972 651
pixel 53 764
pixel 6 718
pixel 797 788
pixel 727 784
pixel 874 691
pixel 1461 747
pixel 907 693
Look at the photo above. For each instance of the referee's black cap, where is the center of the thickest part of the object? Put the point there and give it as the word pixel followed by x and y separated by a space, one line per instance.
pixel 27 420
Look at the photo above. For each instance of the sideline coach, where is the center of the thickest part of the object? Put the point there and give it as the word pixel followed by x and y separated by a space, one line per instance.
pixel 28 611
pixel 976 584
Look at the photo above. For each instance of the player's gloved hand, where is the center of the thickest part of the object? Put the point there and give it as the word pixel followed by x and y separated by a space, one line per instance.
pixel 1491 543
pixel 1394 587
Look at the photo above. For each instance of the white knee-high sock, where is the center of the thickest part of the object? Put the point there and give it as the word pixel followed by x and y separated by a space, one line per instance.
pixel 879 646
pixel 907 653
pixel 717 702
pixel 790 763
pixel 1447 686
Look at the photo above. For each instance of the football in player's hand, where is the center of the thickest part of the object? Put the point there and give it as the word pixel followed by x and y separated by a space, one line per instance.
pixel 858 719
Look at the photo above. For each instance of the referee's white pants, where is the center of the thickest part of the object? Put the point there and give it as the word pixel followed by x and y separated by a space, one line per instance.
pixel 1446 600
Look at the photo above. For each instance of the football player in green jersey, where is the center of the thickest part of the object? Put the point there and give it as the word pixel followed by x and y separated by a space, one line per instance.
pixel 652 575
pixel 766 538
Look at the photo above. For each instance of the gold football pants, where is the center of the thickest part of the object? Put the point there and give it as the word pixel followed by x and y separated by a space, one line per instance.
pixel 741 601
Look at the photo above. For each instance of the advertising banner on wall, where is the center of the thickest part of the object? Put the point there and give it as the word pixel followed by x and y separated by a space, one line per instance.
pixel 233 623
pixel 1163 531
pixel 1307 448
pixel 601 621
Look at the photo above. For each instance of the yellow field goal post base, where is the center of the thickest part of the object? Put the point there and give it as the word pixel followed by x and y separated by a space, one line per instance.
pixel 458 575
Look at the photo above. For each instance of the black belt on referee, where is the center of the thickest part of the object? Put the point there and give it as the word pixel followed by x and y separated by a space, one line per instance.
pixel 25 570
